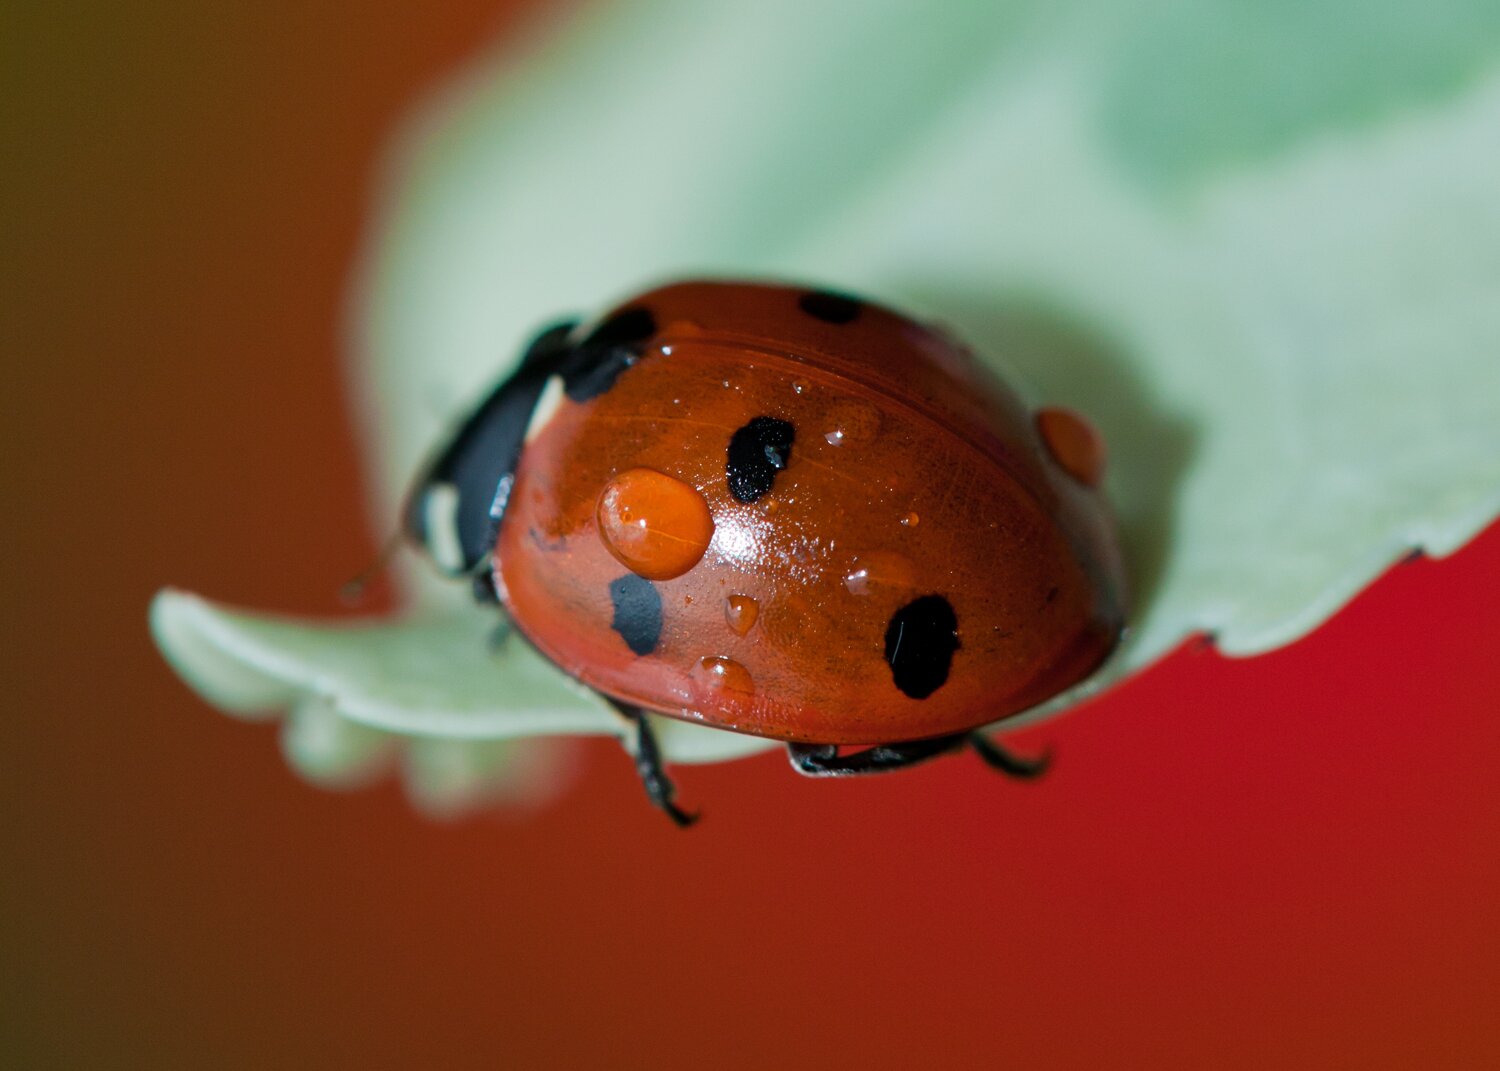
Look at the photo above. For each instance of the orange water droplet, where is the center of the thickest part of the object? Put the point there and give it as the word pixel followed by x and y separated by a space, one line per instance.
pixel 655 525
pixel 682 329
pixel 717 674
pixel 879 568
pixel 1073 444
pixel 799 386
pixel 911 520
pixel 741 611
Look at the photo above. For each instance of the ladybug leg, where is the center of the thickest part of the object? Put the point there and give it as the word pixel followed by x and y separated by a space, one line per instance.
pixel 484 588
pixel 486 595
pixel 648 764
pixel 499 635
pixel 1017 766
pixel 824 760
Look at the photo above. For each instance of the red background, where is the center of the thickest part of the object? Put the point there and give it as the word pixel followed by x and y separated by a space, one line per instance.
pixel 1287 861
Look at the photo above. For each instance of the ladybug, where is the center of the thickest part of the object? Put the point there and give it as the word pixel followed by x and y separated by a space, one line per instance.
pixel 783 512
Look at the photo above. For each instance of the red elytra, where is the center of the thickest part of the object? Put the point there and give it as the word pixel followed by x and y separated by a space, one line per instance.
pixel 797 515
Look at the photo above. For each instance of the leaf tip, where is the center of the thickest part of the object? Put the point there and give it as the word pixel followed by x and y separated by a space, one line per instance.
pixel 192 636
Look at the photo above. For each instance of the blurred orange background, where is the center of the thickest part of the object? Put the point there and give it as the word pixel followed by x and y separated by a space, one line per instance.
pixel 1288 861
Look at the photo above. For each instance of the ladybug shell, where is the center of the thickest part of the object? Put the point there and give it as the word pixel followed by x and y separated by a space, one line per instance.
pixel 919 564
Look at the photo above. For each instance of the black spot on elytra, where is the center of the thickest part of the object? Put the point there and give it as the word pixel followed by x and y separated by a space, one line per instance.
pixel 757 452
pixel 919 645
pixel 830 307
pixel 637 612
pixel 613 346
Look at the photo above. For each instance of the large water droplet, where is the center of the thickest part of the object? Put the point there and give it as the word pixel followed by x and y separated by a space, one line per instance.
pixel 655 525
pixel 910 520
pixel 740 611
pixel 722 675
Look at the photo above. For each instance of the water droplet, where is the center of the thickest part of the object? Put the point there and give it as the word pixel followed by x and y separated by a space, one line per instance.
pixel 720 675
pixel 869 572
pixel 851 421
pixel 683 328
pixel 910 520
pixel 800 386
pixel 1073 443
pixel 655 525
pixel 741 611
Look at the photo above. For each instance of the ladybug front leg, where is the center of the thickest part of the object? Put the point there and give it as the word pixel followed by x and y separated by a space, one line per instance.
pixel 648 764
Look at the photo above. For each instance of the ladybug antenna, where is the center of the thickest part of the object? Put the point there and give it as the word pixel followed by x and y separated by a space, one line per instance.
pixel 352 592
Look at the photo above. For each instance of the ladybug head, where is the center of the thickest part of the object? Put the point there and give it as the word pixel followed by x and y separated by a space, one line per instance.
pixel 454 510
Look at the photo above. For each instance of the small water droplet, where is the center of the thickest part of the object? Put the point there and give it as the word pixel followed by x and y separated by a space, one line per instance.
pixel 800 386
pixel 655 525
pixel 877 569
pixel 853 421
pixel 683 328
pixel 717 674
pixel 741 611
pixel 911 520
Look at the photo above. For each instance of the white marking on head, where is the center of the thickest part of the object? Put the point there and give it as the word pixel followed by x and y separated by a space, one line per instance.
pixel 440 516
pixel 502 495
pixel 546 407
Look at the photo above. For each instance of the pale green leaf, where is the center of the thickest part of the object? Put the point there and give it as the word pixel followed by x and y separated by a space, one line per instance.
pixel 441 676
pixel 1259 243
